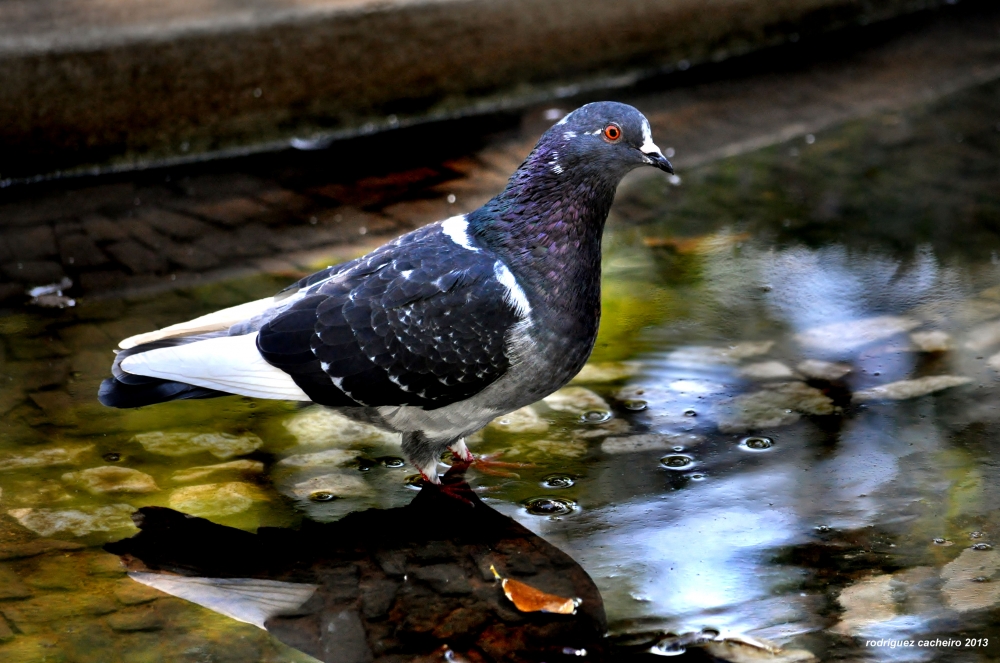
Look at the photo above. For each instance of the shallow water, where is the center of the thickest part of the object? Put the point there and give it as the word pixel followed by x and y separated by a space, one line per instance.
pixel 787 430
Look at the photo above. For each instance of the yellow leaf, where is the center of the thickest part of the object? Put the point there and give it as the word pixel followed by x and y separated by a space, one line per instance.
pixel 528 599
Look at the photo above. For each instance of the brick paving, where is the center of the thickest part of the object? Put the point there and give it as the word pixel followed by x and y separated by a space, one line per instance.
pixel 198 223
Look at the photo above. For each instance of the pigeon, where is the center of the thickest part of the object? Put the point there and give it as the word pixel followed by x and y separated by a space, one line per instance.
pixel 438 332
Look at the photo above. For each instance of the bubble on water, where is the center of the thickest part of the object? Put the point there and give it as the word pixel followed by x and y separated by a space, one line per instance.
pixel 677 462
pixel 112 457
pixel 668 647
pixel 596 416
pixel 757 443
pixel 642 598
pixel 690 413
pixel 823 528
pixel 942 542
pixel 322 496
pixel 677 448
pixel 980 579
pixel 710 633
pixel 636 406
pixel 365 464
pixel 549 506
pixel 982 546
pixel 415 481
pixel 391 461
pixel 697 477
pixel 558 481
pixel 976 535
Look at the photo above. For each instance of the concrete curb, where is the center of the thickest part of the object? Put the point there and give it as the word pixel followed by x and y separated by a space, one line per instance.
pixel 185 80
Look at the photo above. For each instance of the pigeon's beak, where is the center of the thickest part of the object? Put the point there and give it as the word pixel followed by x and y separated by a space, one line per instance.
pixel 657 160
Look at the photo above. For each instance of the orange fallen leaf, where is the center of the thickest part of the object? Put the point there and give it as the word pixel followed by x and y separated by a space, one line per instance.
pixel 528 599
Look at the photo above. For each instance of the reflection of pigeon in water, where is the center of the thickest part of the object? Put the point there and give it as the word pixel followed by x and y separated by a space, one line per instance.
pixel 377 585
pixel 438 332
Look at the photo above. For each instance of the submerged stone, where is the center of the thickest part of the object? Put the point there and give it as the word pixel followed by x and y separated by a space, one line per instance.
pixel 525 420
pixel 79 522
pixel 767 370
pixel 778 405
pixel 983 336
pixel 46 458
pixel 602 372
pixel 649 442
pixel 330 457
pixel 904 389
pixel 823 370
pixel 932 341
pixel 320 426
pixel 962 590
pixel 243 466
pixel 853 334
pixel 216 499
pixel 180 443
pixel 703 355
pixel 576 400
pixel 327 487
pixel 111 480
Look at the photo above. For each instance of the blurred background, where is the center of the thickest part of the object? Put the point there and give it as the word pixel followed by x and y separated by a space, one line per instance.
pixel 786 431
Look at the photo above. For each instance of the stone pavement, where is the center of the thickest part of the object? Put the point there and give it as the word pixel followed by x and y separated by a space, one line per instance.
pixel 282 213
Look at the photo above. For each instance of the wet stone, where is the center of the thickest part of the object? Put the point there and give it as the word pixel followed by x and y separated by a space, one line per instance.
pixel 377 598
pixel 216 499
pixel 6 634
pixel 604 372
pixel 932 341
pixel 649 442
pixel 767 370
pixel 556 448
pixel 36 547
pixel 319 426
pixel 576 400
pixel 138 618
pixel 447 579
pixel 136 257
pixel 853 334
pixel 823 370
pixel 328 458
pixel 781 405
pixel 11 585
pixel 106 566
pixel 525 420
pixel 56 457
pixel 55 572
pixel 206 471
pixel 905 389
pixel 80 250
pixel 111 480
pixel 56 606
pixel 80 522
pixel 983 336
pixel 698 356
pixel 220 445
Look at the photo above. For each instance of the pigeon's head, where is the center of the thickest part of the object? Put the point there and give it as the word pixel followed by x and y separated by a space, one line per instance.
pixel 604 137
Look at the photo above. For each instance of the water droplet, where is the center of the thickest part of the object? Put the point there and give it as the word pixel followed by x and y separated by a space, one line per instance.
pixel 636 406
pixel 976 535
pixel 391 461
pixel 549 506
pixel 690 413
pixel 415 481
pixel 942 542
pixel 823 528
pixel 982 546
pixel 451 199
pixel 596 416
pixel 558 481
pixel 112 457
pixel 677 462
pixel 322 496
pixel 670 647
pixel 757 443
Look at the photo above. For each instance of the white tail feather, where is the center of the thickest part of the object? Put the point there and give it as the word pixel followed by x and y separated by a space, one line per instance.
pixel 225 363
pixel 223 319
pixel 244 599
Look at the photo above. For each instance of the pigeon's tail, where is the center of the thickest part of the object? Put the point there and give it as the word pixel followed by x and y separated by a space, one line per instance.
pixel 125 390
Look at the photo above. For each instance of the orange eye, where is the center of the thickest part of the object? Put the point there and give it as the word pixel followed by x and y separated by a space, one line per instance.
pixel 612 132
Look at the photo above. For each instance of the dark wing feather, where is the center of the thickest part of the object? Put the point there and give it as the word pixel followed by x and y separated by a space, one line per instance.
pixel 417 323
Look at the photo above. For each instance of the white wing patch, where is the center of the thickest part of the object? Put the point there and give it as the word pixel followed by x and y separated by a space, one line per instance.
pixel 226 363
pixel 457 230
pixel 515 295
pixel 248 600
pixel 223 319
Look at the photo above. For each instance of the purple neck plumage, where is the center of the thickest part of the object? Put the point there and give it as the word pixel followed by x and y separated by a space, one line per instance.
pixel 547 225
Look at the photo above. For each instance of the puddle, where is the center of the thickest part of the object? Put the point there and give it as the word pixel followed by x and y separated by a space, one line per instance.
pixel 793 397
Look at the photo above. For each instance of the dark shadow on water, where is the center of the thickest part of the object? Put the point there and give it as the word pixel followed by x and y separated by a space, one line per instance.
pixel 394 584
